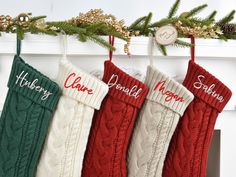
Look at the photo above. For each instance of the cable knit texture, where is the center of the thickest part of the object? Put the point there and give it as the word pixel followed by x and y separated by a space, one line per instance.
pixel 165 103
pixel 28 108
pixel 65 145
pixel 112 125
pixel 188 150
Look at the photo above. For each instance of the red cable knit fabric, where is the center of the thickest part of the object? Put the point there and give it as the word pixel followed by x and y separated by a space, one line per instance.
pixel 188 150
pixel 112 125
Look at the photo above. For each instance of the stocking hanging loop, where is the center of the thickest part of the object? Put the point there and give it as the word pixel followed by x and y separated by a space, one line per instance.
pixel 150 49
pixel 111 42
pixel 64 46
pixel 18 46
pixel 192 48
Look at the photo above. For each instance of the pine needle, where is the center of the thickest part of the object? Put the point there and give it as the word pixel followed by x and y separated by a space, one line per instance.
pixel 97 39
pixel 195 21
pixel 146 23
pixel 196 10
pixel 231 36
pixel 227 18
pixel 94 27
pixel 34 30
pixel 81 37
pixel 212 15
pixel 174 9
pixel 163 22
pixel 161 48
pixel 33 19
pixel 180 43
pixel 110 31
pixel 223 37
pixel 67 28
pixel 137 22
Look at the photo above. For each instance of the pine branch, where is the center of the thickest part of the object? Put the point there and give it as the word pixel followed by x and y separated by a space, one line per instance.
pixel 227 18
pixel 231 36
pixel 161 48
pixel 180 43
pixel 101 41
pixel 82 37
pixel 33 19
pixel 212 15
pixel 102 29
pixel 191 22
pixel 196 10
pixel 93 27
pixel 174 9
pixel 110 31
pixel 137 22
pixel 82 33
pixel 222 37
pixel 163 22
pixel 34 30
pixel 202 22
pixel 67 28
pixel 146 23
pixel 181 35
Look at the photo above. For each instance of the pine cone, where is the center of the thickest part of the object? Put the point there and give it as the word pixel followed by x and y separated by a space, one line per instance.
pixel 227 28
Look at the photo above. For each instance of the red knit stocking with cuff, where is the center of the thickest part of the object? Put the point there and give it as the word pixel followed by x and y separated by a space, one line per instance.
pixel 112 125
pixel 188 150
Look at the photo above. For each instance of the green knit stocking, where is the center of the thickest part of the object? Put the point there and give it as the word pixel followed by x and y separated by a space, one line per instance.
pixel 28 108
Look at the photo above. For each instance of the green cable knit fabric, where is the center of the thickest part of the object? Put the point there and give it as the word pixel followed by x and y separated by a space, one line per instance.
pixel 29 105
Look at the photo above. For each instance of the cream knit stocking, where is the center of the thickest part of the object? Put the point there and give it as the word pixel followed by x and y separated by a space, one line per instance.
pixel 165 103
pixel 67 138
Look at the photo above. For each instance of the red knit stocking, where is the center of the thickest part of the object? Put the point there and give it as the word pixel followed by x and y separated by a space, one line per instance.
pixel 112 125
pixel 188 150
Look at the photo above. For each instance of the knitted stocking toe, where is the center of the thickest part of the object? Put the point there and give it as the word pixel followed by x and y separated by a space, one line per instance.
pixel 112 125
pixel 165 103
pixel 187 154
pixel 64 148
pixel 27 112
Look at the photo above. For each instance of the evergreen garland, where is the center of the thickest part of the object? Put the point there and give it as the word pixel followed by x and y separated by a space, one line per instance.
pixel 187 21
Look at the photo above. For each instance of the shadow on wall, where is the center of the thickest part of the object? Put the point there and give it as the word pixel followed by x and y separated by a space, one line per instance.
pixel 213 165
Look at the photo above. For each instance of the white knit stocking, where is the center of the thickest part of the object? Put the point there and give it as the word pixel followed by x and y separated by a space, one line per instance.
pixel 165 103
pixel 65 145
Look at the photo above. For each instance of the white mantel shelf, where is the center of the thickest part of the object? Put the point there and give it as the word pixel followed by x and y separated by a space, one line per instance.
pixel 50 45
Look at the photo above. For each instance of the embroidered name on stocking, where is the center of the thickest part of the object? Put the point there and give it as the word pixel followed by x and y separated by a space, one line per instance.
pixel 74 83
pixel 133 91
pixel 23 82
pixel 207 89
pixel 160 86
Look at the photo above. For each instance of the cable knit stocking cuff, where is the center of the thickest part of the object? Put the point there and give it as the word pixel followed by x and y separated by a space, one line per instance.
pixel 81 86
pixel 123 86
pixel 206 87
pixel 166 91
pixel 33 84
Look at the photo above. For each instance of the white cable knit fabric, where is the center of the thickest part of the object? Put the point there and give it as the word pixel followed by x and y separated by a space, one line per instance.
pixel 156 123
pixel 66 142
